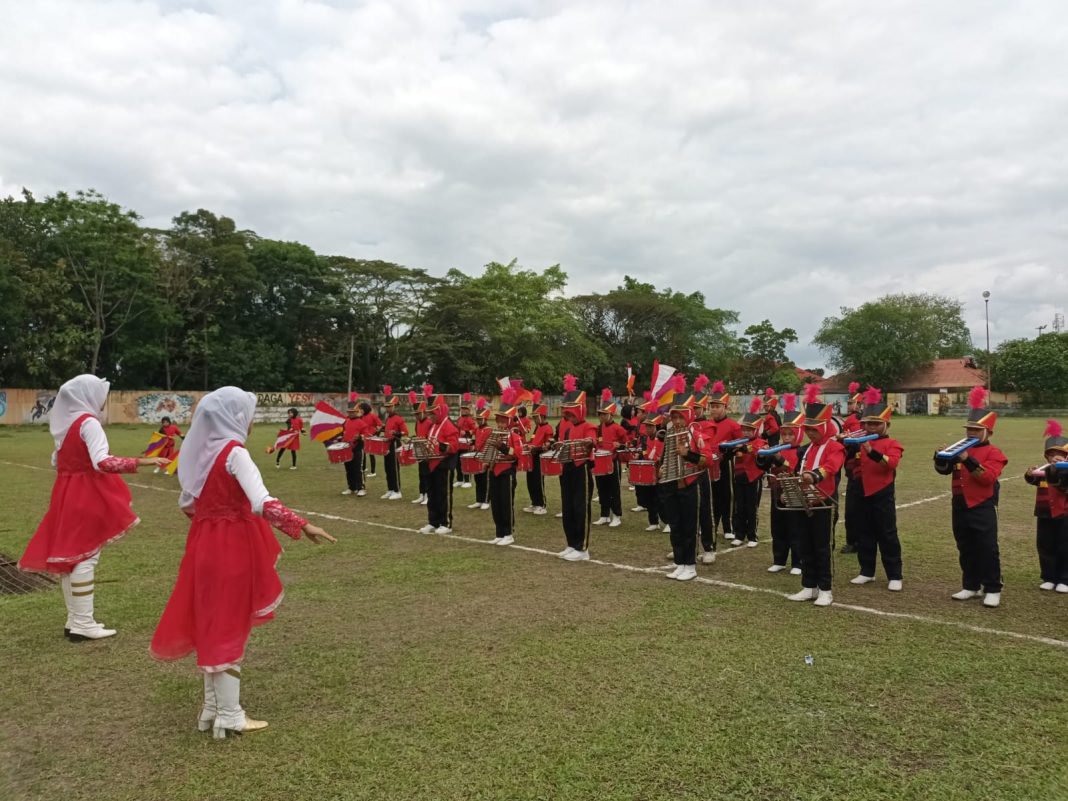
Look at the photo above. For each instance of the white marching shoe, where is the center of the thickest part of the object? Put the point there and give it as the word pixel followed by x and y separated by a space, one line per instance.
pixel 427 529
pixel 965 595
pixel 466 485
pixel 484 507
pixel 615 522
pixel 652 527
pixel 559 514
pixel 708 557
pixel 751 544
pixel 394 496
pixel 795 571
pixel 1062 588
pixel 78 593
pixel 505 540
pixel 806 594
pixel 667 528
pixel 992 599
pixel 361 493
pixel 600 521
pixel 776 568
pixel 566 552
pixel 528 509
pixel 674 574
pixel 824 598
pixel 638 509
pixel 443 530
pixel 578 556
pixel 862 579
pixel 496 541
pixel 1046 585
pixel 416 501
pixel 230 718
pixel 736 542
pixel 385 495
pixel 346 492
pixel 424 500
pixel 474 505
pixel 540 510
pixel 457 483
pixel 894 585
pixel 208 711
pixel 688 572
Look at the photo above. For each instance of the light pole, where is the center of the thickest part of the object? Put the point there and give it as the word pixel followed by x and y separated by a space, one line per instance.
pixel 989 364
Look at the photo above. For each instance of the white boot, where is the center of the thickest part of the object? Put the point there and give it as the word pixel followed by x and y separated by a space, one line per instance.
pixel 861 579
pixel 614 521
pixel 824 598
pixel 600 521
pixel 776 568
pixel 540 510
pixel 667 529
pixel 992 599
pixel 964 595
pixel 83 625
pixel 894 585
pixel 506 540
pixel 674 574
pixel 566 552
pixel 64 583
pixel 229 716
pixel 652 527
pixel 806 594
pixel 424 500
pixel 474 505
pixel 708 557
pixel 208 711
pixel 688 572
pixel 795 571
pixel 1061 588
pixel 418 500
pixel 1046 585
pixel 578 556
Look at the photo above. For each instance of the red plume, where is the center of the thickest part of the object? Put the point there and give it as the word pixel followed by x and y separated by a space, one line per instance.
pixel 1053 429
pixel 769 393
pixel 647 395
pixel 353 396
pixel 718 388
pixel 977 397
pixel 535 396
pixel 412 397
pixel 872 396
pixel 755 405
pixel 428 390
pixel 679 384
pixel 467 397
pixel 606 395
pixel 854 386
pixel 480 404
pixel 508 396
pixel 789 402
pixel 812 393
pixel 570 383
pixel 700 383
pixel 387 390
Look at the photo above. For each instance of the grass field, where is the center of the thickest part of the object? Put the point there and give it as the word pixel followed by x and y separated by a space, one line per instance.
pixel 406 666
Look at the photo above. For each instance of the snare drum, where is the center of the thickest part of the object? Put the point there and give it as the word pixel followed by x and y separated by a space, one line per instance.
pixel 641 472
pixel 471 465
pixel 627 454
pixel 376 446
pixel 524 461
pixel 406 456
pixel 339 453
pixel 603 463
pixel 549 465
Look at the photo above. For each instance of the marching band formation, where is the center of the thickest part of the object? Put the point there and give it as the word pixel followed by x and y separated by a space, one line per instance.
pixel 698 474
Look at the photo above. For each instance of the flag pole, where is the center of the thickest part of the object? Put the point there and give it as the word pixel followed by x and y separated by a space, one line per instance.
pixel 352 349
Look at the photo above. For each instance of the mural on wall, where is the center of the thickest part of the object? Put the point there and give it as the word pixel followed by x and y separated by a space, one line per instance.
pixel 41 407
pixel 3 403
pixel 154 407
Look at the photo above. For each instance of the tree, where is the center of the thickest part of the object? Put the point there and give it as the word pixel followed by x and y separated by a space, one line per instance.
pixel 763 359
pixel 1036 368
pixel 884 340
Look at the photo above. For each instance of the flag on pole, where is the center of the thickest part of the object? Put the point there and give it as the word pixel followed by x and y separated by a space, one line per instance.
pixel 283 440
pixel 326 422
pixel 173 466
pixel 662 387
pixel 630 380
pixel 521 395
pixel 155 444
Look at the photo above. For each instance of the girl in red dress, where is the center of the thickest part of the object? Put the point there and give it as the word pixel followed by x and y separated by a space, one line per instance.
pixel 227 581
pixel 90 504
pixel 170 431
pixel 293 423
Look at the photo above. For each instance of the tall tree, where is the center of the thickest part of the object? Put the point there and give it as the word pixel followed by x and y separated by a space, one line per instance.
pixel 1036 368
pixel 763 359
pixel 882 341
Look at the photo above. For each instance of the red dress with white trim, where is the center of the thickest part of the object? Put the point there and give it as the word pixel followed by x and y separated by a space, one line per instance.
pixel 90 507
pixel 227 582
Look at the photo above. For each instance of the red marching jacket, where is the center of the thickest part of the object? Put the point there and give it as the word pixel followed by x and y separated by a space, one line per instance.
pixel 878 469
pixel 975 479
pixel 444 433
pixel 745 461
pixel 825 459
pixel 513 446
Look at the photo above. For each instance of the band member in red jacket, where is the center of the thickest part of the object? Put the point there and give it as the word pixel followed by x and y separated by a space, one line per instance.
pixel 748 477
pixel 483 415
pixel 1051 512
pixel 575 480
pixel 422 428
pixel 772 420
pixel 721 429
pixel 611 437
pixel 876 527
pixel 819 465
pixel 706 527
pixel 501 476
pixel 975 486
pixel 540 440
pixel 854 492
pixel 785 543
pixel 466 425
pixel 444 440
pixel 394 429
pixel 651 443
pixel 353 433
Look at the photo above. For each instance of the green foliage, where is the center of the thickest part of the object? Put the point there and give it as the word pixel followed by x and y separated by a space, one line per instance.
pixel 884 340
pixel 1036 368
pixel 763 360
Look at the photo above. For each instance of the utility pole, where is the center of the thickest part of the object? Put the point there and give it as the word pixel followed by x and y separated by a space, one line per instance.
pixel 989 363
pixel 352 350
pixel 1041 328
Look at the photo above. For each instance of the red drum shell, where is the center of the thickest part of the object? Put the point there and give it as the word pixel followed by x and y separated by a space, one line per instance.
pixel 471 465
pixel 641 472
pixel 549 465
pixel 603 463
pixel 339 454
pixel 406 456
pixel 376 446
pixel 627 454
pixel 524 461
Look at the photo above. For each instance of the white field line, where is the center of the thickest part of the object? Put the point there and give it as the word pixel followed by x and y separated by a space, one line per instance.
pixel 659 572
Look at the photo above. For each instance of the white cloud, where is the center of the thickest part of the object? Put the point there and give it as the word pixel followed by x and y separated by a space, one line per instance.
pixel 784 160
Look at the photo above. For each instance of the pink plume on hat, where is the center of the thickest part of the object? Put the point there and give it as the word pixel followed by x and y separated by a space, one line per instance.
pixel 606 395
pixel 679 382
pixel 872 395
pixel 977 397
pixel 353 396
pixel 755 405
pixel 467 397
pixel 647 395
pixel 718 388
pixel 480 404
pixel 535 396
pixel 428 390
pixel 700 383
pixel 854 387
pixel 508 396
pixel 789 402
pixel 812 393
pixel 769 393
pixel 1053 429
pixel 570 383
pixel 412 397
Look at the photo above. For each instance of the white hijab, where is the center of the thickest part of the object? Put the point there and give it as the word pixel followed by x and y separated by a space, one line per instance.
pixel 221 417
pixel 83 394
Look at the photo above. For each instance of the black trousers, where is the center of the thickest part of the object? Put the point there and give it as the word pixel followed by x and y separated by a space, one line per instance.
pixel 854 496
pixel 439 497
pixel 392 468
pixel 647 496
pixel 705 524
pixel 424 479
pixel 746 507
pixel 536 483
pixel 679 507
pixel 354 468
pixel 502 501
pixel 785 537
pixel 1051 538
pixel 281 451
pixel 875 526
pixel 976 533
pixel 481 488
pixel 608 492
pixel 814 536
pixel 723 499
pixel 368 457
pixel 576 501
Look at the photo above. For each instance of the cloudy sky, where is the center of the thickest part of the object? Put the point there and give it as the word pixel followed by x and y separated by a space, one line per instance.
pixel 784 158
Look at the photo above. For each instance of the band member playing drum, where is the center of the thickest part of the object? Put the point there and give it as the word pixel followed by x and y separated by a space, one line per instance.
pixel 466 423
pixel 706 527
pixel 353 434
pixel 482 432
pixel 1051 512
pixel 422 429
pixel 610 438
pixel 975 467
pixel 444 439
pixel 501 475
pixel 540 440
pixel 575 480
pixel 678 498
pixel 651 443
pixel 394 429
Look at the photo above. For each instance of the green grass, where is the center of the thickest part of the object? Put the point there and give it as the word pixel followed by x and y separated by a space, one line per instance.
pixel 403 666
